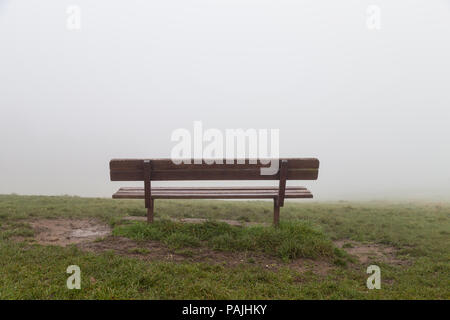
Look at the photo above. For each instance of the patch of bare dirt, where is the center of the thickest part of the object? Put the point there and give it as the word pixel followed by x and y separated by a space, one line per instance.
pixel 157 251
pixel 63 232
pixel 367 252
pixel 84 232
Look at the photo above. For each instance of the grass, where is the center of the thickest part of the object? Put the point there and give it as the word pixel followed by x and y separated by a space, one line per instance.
pixel 289 241
pixel 28 274
pixel 419 231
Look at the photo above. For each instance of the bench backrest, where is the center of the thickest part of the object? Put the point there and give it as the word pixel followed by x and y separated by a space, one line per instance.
pixel 166 170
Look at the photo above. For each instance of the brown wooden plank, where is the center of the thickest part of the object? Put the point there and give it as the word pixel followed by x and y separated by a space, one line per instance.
pixel 212 188
pixel 192 193
pixel 238 195
pixel 168 164
pixel 288 188
pixel 274 192
pixel 298 196
pixel 213 174
pixel 230 196
pixel 211 196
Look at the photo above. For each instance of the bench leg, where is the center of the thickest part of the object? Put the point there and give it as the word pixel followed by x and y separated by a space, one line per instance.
pixel 150 212
pixel 276 212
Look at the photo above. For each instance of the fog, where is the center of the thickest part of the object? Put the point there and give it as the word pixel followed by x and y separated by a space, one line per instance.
pixel 373 105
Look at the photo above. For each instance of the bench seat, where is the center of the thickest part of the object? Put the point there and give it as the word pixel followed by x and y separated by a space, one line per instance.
pixel 212 193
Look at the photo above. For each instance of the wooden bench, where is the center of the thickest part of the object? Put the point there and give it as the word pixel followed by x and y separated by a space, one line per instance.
pixel 149 170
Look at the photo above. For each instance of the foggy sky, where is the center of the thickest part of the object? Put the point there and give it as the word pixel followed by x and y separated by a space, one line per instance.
pixel 373 106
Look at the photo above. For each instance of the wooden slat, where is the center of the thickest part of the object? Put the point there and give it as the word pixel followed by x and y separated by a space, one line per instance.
pixel 165 169
pixel 167 164
pixel 210 188
pixel 194 193
pixel 211 191
pixel 229 196
pixel 213 196
pixel 204 190
pixel 213 174
pixel 271 193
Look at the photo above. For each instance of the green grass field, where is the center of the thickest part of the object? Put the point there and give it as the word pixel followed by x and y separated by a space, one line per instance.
pixel 314 254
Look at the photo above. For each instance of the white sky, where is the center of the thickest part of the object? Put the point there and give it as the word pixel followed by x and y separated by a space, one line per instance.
pixel 373 106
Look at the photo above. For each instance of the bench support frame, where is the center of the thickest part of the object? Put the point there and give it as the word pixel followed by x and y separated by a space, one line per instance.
pixel 148 190
pixel 278 200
